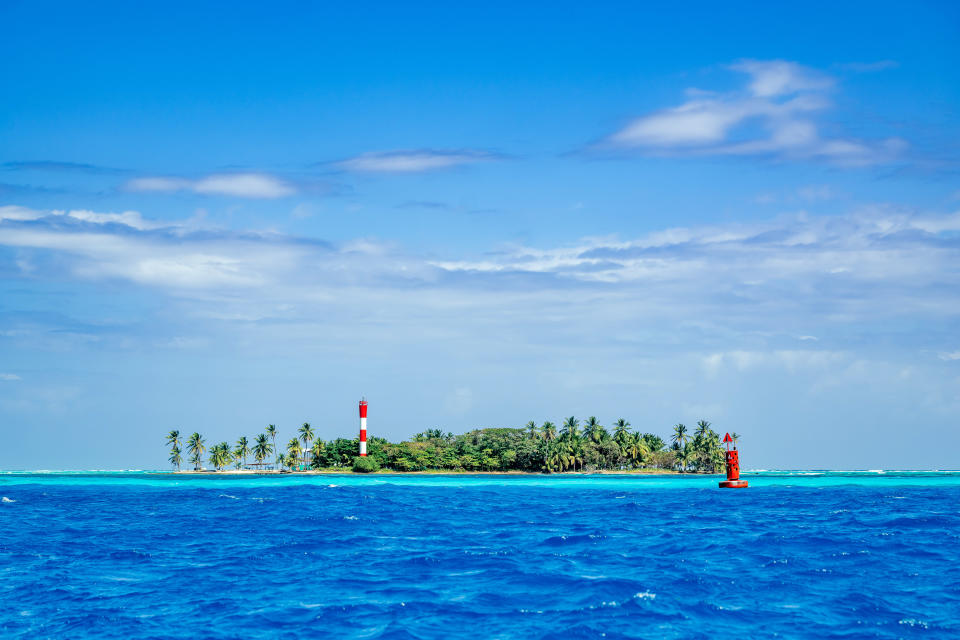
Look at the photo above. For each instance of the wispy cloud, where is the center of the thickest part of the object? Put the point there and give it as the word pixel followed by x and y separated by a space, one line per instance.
pixel 870 264
pixel 9 377
pixel 788 359
pixel 131 219
pixel 773 78
pixel 773 115
pixel 869 67
pixel 240 185
pixel 413 160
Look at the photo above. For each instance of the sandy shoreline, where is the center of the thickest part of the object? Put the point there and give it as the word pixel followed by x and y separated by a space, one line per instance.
pixel 347 470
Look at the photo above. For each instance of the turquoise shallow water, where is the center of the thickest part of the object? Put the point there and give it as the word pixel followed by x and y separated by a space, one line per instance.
pixel 797 555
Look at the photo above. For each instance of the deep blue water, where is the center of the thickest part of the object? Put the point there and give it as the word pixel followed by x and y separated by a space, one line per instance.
pixel 136 556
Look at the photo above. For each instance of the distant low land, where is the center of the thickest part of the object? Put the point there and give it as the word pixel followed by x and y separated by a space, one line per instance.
pixel 436 472
pixel 574 447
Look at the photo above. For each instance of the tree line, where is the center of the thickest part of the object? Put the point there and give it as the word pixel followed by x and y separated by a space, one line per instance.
pixel 574 446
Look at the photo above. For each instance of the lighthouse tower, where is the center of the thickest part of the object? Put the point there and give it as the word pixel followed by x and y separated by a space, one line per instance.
pixel 363 428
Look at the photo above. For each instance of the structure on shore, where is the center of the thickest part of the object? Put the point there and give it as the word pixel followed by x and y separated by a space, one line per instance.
pixel 363 428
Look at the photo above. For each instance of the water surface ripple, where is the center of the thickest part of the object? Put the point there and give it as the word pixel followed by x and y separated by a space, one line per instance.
pixel 141 556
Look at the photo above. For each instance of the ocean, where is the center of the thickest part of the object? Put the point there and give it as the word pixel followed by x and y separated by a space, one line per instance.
pixel 797 555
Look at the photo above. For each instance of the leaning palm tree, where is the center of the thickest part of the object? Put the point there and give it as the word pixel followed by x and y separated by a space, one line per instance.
pixel 175 458
pixel 548 431
pixel 196 447
pixel 306 434
pixel 261 449
pixel 570 428
pixel 680 436
pixel 173 438
pixel 243 449
pixel 272 432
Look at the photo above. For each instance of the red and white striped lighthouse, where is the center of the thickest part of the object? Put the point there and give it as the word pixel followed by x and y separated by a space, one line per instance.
pixel 363 428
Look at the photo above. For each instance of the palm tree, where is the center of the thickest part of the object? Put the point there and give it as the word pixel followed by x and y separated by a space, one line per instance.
pixel 220 455
pixel 571 428
pixel 593 429
pixel 548 431
pixel 577 453
pixel 553 460
pixel 261 449
pixel 683 458
pixel 243 449
pixel 636 449
pixel 318 451
pixel 173 439
pixel 532 429
pixel 621 428
pixel 736 437
pixel 306 434
pixel 703 428
pixel 281 460
pixel 196 447
pixel 272 432
pixel 175 458
pixel 293 452
pixel 680 436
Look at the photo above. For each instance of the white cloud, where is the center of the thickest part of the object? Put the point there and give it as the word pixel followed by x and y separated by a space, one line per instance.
pixel 12 212
pixel 773 116
pixel 241 185
pixel 698 286
pixel 412 161
pixel 9 377
pixel 127 218
pixel 771 78
pixel 954 355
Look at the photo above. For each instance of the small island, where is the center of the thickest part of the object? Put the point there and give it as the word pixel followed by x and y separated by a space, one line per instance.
pixel 573 447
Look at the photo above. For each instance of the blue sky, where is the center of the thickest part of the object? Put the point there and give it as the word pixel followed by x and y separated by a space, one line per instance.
pixel 479 215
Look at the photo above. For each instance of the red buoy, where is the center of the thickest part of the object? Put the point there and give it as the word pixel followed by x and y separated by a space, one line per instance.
pixel 733 480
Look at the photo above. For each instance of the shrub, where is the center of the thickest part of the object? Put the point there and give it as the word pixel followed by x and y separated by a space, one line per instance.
pixel 365 465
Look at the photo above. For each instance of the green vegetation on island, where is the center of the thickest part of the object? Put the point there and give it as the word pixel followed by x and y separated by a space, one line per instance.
pixel 534 448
